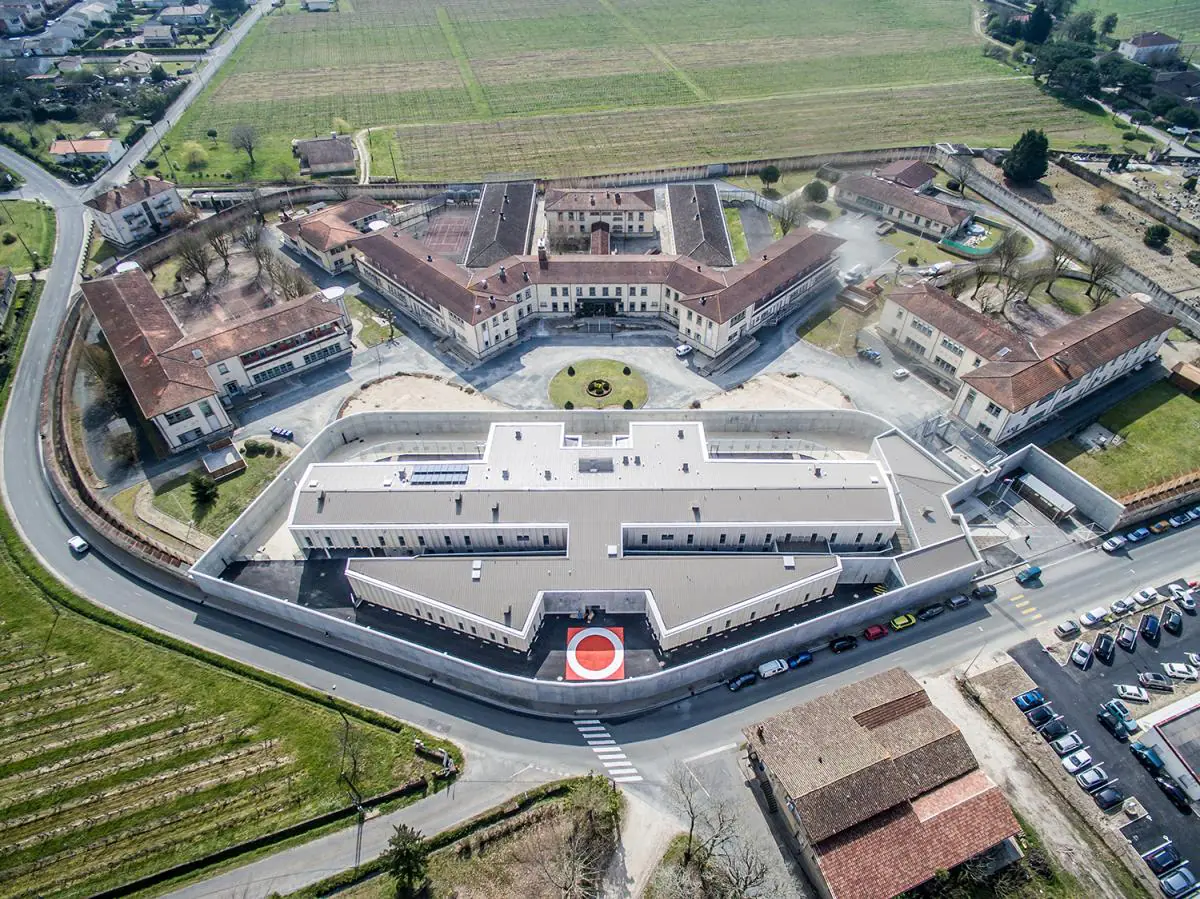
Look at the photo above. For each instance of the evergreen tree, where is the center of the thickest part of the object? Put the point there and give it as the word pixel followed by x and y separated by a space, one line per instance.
pixel 1029 159
pixel 1038 26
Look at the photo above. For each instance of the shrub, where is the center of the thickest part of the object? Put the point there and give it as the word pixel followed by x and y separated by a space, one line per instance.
pixel 625 370
pixel 815 192
pixel 1156 236
pixel 1189 184
pixel 570 371
pixel 151 164
pixel 1129 135
pixel 953 185
pixel 568 405
pixel 1194 257
pixel 913 260
pixel 695 404
pixel 8 239
pixel 628 404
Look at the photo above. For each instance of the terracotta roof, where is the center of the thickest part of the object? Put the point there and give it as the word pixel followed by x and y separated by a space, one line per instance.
pixel 911 173
pixel 907 845
pixel 607 200
pixel 129 194
pixel 1070 352
pixel 698 223
pixel 138 328
pixel 1152 39
pixel 849 755
pixel 334 225
pixel 958 321
pixel 158 31
pixel 68 147
pixel 503 223
pixel 326 150
pixel 902 198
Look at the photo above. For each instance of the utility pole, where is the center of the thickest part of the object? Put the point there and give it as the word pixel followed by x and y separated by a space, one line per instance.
pixel 33 257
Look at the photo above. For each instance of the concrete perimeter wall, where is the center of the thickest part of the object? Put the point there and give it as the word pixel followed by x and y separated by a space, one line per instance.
pixel 548 698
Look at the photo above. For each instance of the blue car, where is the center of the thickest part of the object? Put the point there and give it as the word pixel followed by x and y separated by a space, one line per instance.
pixel 799 659
pixel 1179 882
pixel 1162 859
pixel 742 680
pixel 1030 700
pixel 1138 535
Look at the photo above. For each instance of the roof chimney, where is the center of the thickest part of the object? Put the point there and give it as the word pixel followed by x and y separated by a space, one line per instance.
pixel 503 272
pixel 429 259
pixel 617 197
pixel 697 217
pixel 592 199
pixel 525 274
pixel 543 257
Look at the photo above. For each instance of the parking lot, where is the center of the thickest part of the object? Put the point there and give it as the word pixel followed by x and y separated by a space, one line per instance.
pixel 1078 694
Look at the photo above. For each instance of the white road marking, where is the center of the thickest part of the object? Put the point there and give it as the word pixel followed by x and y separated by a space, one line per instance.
pixel 633 779
pixel 586 721
pixel 602 742
pixel 705 755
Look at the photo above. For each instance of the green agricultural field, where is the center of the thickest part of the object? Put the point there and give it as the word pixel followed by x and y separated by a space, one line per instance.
pixel 1180 18
pixel 461 88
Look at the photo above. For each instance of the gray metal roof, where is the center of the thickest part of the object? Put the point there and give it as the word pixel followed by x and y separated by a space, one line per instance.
pixel 921 483
pixel 934 560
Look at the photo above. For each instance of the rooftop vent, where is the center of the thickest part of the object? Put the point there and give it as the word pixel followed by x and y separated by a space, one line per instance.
pixel 680 434
pixel 496 512
pixel 686 469
pixel 387 482
pixel 504 474
pixel 525 274
pixel 874 479
pixel 547 473
pixel 502 273
pixel 637 460
pixel 612 550
pixel 817 471
pixel 696 217
pixel 518 435
pixel 764 257
pixel 429 259
pixel 624 460
pixel 478 308
pixel 789 562
pixel 196 354
pixel 313 485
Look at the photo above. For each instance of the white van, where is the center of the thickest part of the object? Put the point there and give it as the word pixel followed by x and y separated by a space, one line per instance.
pixel 772 668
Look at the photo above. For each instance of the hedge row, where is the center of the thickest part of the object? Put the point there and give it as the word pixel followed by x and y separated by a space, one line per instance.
pixel 373 868
pixel 56 592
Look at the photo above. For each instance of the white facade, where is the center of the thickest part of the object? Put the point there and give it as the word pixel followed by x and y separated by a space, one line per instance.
pixel 190 424
pixel 108 150
pixel 135 223
pixel 1149 53
pixel 951 358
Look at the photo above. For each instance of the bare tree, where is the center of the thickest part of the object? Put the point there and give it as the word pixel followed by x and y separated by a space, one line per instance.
pixel 572 865
pixel 959 280
pixel 790 214
pixel 1102 265
pixel 1020 285
pixel 743 871
pixel 250 233
pixel 687 796
pixel 194 256
pixel 222 244
pixel 979 277
pixel 288 280
pixel 1060 261
pixel 283 172
pixel 1006 254
pixel 244 137
pixel 677 882
pixel 1101 295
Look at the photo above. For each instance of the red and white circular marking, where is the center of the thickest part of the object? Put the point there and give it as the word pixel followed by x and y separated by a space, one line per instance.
pixel 588 658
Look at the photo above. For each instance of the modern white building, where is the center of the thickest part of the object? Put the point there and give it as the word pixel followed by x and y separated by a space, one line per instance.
pixel 106 149
pixel 180 380
pixel 136 211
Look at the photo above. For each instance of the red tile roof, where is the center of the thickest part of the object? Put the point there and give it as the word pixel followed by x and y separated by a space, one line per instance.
pixel 907 845
pixel 260 329
pixel 893 194
pixel 911 173
pixel 69 147
pixel 1153 39
pixel 129 194
pixel 334 225
pixel 1069 352
pixel 558 200
pixel 958 321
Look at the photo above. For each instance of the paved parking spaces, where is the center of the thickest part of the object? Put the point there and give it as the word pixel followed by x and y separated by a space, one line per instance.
pixel 1077 695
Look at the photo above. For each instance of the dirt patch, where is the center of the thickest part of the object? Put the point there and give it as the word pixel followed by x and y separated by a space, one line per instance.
pixel 778 391
pixel 423 393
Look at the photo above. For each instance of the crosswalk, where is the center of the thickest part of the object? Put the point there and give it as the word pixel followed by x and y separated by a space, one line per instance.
pixel 608 753
pixel 1022 605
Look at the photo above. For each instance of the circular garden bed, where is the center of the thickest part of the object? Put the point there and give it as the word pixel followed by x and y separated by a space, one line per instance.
pixel 598 384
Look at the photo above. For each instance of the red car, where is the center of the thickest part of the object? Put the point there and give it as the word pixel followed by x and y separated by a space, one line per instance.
pixel 875 632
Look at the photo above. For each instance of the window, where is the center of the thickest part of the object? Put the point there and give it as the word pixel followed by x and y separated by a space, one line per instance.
pixel 737 318
pixel 858 537
pixel 643 306
pixel 728 621
pixel 205 407
pixel 554 307
pixel 742 540
pixel 604 291
pixel 993 410
pixel 173 418
pixel 914 346
pixel 545 539
pixel 708 630
pixel 323 353
pixel 273 372
pixel 645 539
pixel 833 537
pixel 522 538
pixel 643 293
pixel 354 540
pixel 401 539
pixel 591 291
pixel 879 537
pixel 691 539
pixel 446 537
pixel 329 541
pixel 466 540
pixel 618 291
pixel 722 541
pixel 223 368
pixel 919 325
pixel 421 541
pixel 668 538
pixel 689 315
pixel 499 540
pixel 578 291
pixel 983 429
pixel 382 542
pixel 953 347
pixel 945 366
pixel 553 291
pixel 767 539
pixel 308 541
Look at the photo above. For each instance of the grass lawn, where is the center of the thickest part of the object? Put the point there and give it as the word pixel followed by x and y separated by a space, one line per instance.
pixel 373 330
pixel 123 503
pixel 737 235
pixel 124 755
pixel 1069 296
pixel 926 251
pixel 566 388
pixel 1161 427
pixel 9 179
pixel 235 493
pixel 33 222
pixel 835 329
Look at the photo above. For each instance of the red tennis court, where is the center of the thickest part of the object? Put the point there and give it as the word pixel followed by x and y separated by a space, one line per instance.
pixel 449 231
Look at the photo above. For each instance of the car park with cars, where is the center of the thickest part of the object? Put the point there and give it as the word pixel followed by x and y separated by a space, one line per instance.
pixel 1180 671
pixel 799 660
pixel 1054 730
pixel 1029 700
pixel 742 680
pixel 1068 743
pixel 1172 620
pixel 900 622
pixel 1178 521
pixel 1030 574
pixel 957 602
pixel 1077 761
pixel 1112 544
pixel 1113 724
pixel 1149 627
pixel 1081 654
pixel 77 545
pixel 1094 617
pixel 1146 596
pixel 1187 602
pixel 1148 757
pixel 1105 647
pixel 772 668
pixel 1160 527
pixel 1131 694
pixel 1067 629
pixel 1039 716
pixel 1173 791
pixel 1118 708
pixel 1137 536
pixel 683 350
pixel 1123 606
pixel 875 632
pixel 1092 779
pixel 984 592
pixel 1126 637
pixel 1180 882
pixel 1152 680
pixel 1108 798
pixel 843 644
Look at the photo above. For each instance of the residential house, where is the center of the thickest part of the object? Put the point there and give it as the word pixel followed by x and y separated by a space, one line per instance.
pixel 1150 48
pixel 878 790
pixel 192 14
pixel 29 67
pixel 317 5
pixel 97 13
pixel 572 213
pixel 71 29
pixel 18 18
pixel 324 236
pixel 70 64
pixel 483 311
pixel 106 149
pixel 151 4
pixel 179 379
pixel 325 155
pixel 136 211
pixel 138 63
pixel 901 205
pixel 49 43
pixel 698 224
pixel 503 224
pixel 910 173
pixel 1044 375
pixel 158 36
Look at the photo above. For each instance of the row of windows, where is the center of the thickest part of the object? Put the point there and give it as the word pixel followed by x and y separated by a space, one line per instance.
pixel 953 347
pixel 582 216
pixel 174 418
pixel 522 540
pixel 566 291
pixel 919 325
pixel 323 353
pixel 813 538
pixel 273 372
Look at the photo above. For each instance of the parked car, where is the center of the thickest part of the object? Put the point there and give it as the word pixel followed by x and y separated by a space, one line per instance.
pixel 1149 627
pixel 1112 544
pixel 875 632
pixel 1180 882
pixel 1118 708
pixel 1108 798
pixel 1151 680
pixel 843 644
pixel 1148 756
pixel 1029 700
pixel 799 660
pixel 1094 617
pixel 900 374
pixel 1132 694
pixel 1162 859
pixel 1092 779
pixel 1177 591
pixel 1112 724
pixel 1194 513
pixel 984 591
pixel 1178 521
pixel 1172 620
pixel 1160 527
pixel 1188 602
pixel 1180 671
pixel 1081 655
pixel 1174 792
pixel 1054 730
pixel 1039 716
pixel 1029 575
pixel 1077 761
pixel 1138 536
pixel 1123 606
pixel 1146 596
pixel 900 622
pixel 1126 637
pixel 742 680
pixel 1105 647
pixel 683 350
pixel 1193 659
pixel 1067 629
pixel 1068 743
pixel 930 612
pixel 772 668
pixel 77 545
pixel 957 602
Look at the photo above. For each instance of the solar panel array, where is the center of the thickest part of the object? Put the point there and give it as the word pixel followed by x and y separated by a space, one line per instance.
pixel 439 475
